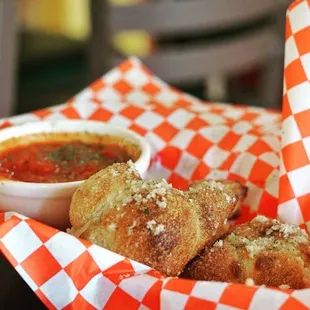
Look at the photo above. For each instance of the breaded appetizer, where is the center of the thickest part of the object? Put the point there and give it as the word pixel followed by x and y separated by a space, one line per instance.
pixel 230 187
pixel 147 221
pixel 264 250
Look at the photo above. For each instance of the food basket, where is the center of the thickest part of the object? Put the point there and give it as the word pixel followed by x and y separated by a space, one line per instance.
pixel 267 151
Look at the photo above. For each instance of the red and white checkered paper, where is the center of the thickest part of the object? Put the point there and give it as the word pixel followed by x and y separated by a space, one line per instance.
pixel 190 141
pixel 295 145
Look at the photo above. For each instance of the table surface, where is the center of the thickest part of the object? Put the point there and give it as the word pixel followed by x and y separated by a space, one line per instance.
pixel 15 294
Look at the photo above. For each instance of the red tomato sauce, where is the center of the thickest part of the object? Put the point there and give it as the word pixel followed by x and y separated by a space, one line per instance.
pixel 54 162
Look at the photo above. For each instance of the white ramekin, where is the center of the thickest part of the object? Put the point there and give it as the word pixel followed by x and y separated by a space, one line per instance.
pixel 49 202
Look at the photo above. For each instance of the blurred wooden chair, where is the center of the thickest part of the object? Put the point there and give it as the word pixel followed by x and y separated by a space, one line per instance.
pixel 213 60
pixel 8 43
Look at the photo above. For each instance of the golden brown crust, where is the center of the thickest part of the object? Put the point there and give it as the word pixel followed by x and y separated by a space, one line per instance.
pixel 213 206
pixel 135 236
pixel 230 187
pixel 264 250
pixel 102 190
pixel 148 221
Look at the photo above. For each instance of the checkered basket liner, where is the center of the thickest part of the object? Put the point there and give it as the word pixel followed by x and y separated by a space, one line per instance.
pixel 190 140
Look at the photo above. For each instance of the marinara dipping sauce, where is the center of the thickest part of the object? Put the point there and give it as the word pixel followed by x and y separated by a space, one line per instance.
pixel 62 157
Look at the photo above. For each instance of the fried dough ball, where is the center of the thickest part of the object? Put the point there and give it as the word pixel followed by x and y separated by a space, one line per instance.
pixel 147 221
pixel 267 251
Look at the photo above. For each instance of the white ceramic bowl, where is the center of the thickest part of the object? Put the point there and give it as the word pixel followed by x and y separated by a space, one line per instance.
pixel 49 202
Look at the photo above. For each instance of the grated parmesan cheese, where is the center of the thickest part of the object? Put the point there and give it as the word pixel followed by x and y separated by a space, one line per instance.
pixel 284 287
pixel 287 230
pixel 155 228
pixel 162 204
pixel 213 185
pixel 229 199
pixel 112 227
pixel 261 218
pixel 150 225
pixel 131 227
pixel 115 173
pixel 217 244
pixel 144 191
pixel 249 282
pixel 291 233
pixel 132 168
pixel 159 229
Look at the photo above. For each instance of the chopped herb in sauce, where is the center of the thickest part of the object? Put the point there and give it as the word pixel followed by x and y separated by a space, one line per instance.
pixel 146 211
pixel 80 154
pixel 59 162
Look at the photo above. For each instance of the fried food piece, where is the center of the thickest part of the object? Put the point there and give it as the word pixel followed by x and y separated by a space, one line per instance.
pixel 229 187
pixel 148 221
pixel 267 251
pixel 214 206
pixel 102 190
